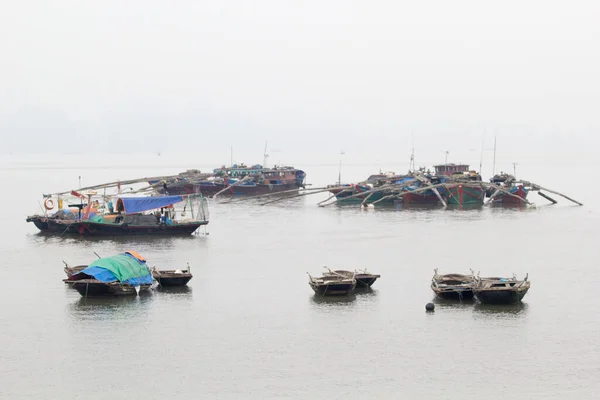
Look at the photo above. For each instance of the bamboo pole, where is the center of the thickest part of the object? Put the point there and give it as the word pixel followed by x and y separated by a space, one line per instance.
pixel 298 195
pixel 235 200
pixel 535 185
pixel 244 179
pixel 332 196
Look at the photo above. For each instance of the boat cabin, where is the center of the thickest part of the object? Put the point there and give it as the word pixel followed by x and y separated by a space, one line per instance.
pixel 451 169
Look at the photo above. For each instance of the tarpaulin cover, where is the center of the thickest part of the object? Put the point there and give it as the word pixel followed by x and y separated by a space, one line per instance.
pixel 133 205
pixel 123 268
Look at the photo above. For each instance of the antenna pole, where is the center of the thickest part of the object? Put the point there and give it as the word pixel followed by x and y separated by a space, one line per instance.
pixel 340 169
pixel 494 165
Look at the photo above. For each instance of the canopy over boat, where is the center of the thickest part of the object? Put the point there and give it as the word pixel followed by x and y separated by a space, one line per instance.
pixel 128 267
pixel 132 205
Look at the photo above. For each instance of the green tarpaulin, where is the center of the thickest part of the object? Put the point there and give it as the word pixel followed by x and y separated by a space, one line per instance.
pixel 123 266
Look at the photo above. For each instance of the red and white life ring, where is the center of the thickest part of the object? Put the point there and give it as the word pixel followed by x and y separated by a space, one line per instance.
pixel 49 204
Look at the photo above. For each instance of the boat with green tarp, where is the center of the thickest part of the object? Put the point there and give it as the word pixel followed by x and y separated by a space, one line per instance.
pixel 118 275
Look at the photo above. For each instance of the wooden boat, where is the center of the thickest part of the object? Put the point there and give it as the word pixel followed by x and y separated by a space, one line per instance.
pixel 132 217
pixel 240 180
pixel 363 278
pixel 167 278
pixel 332 285
pixel 96 288
pixel 118 275
pixel 452 286
pixel 500 290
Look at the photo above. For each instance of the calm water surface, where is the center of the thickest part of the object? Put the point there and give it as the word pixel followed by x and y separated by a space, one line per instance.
pixel 249 326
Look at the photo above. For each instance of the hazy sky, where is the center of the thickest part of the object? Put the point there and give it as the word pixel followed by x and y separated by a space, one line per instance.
pixel 325 75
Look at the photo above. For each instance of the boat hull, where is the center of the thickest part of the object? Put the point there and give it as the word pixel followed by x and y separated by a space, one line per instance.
pixel 209 190
pixel 173 281
pixel 465 195
pixel 418 198
pixel 102 229
pixel 101 289
pixel 454 294
pixel 365 281
pixel 53 225
pixel 333 289
pixel 506 200
pixel 500 296
pixel 344 196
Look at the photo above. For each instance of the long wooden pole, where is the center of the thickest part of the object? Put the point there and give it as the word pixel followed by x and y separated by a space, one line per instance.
pixel 298 195
pixel 226 188
pixel 535 185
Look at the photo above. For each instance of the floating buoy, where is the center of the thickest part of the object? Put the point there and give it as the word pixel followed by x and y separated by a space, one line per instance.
pixel 429 306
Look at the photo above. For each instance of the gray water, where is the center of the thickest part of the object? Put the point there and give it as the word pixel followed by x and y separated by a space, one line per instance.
pixel 249 325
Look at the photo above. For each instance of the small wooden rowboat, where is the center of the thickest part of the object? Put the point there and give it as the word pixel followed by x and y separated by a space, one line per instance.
pixel 332 285
pixel 363 278
pixel 500 290
pixel 176 277
pixel 452 286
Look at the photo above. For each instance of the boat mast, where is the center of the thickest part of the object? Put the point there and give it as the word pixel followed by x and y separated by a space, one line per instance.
pixel 494 164
pixel 231 156
pixel 265 156
pixel 515 169
pixel 446 162
pixel 481 157
pixel 340 169
pixel 411 165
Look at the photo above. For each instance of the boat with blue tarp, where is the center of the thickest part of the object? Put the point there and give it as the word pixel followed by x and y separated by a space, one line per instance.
pixel 149 215
pixel 118 275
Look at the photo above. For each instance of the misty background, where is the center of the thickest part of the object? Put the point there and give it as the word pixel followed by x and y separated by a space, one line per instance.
pixel 311 77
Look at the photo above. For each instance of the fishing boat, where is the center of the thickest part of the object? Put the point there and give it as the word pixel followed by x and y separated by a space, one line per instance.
pixel 332 285
pixel 168 278
pixel 427 197
pixel 500 290
pixel 241 180
pixel 355 193
pixel 452 286
pixel 465 188
pixel 510 185
pixel 363 278
pixel 150 215
pixel 118 275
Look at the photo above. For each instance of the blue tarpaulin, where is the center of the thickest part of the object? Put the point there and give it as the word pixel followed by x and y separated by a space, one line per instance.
pixel 132 205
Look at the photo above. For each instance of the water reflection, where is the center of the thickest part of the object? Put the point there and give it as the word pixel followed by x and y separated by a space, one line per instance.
pixel 174 291
pixel 492 310
pixel 365 292
pixel 334 300
pixel 453 304
pixel 118 307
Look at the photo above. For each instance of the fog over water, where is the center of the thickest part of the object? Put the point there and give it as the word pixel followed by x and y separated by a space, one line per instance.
pixel 99 92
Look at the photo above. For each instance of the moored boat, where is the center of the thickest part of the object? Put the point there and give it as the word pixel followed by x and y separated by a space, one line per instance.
pixel 363 278
pixel 121 274
pixel 153 215
pixel 332 285
pixel 497 290
pixel 168 278
pixel 452 286
pixel 240 180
